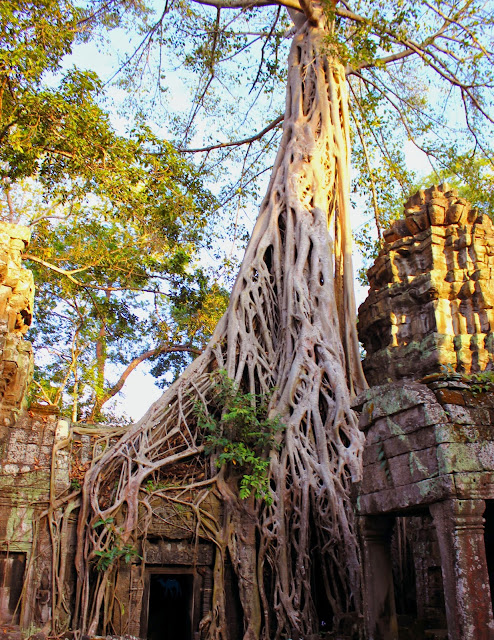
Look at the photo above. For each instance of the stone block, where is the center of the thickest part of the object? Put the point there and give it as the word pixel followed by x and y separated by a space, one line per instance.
pixel 436 214
pixel 417 440
pixel 391 399
pixel 467 415
pixel 457 213
pixel 475 485
pixel 450 396
pixel 404 469
pixel 469 456
pixel 400 500
pixel 15 232
pixel 457 433
pixel 399 425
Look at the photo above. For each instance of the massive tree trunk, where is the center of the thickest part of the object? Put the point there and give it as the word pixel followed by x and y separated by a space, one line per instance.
pixel 286 329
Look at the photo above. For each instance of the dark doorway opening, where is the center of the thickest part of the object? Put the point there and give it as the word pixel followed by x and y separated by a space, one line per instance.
pixel 12 566
pixel 404 578
pixel 170 606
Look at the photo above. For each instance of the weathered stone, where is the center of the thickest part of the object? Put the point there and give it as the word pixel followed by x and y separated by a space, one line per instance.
pixel 450 396
pixel 413 464
pixel 407 497
pixel 436 214
pixel 459 526
pixel 430 293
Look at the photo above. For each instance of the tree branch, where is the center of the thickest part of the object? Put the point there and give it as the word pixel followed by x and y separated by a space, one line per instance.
pixel 263 50
pixel 369 167
pixel 85 285
pixel 236 143
pixel 400 55
pixel 460 26
pixel 133 365
pixel 248 4
pixel 411 49
pixel 43 392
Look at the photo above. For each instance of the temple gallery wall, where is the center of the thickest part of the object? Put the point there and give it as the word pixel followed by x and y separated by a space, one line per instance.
pixel 425 505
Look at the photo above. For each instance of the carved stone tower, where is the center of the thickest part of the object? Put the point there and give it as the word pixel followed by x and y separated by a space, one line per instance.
pixel 431 291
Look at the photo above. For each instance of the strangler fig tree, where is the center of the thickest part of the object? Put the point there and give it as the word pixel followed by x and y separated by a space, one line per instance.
pixel 289 331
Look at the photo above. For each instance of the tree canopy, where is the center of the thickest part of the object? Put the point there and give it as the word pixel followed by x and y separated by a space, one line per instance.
pixel 118 221
pixel 417 71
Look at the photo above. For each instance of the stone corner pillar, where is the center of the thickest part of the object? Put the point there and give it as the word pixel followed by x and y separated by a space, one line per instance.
pixel 379 600
pixel 460 532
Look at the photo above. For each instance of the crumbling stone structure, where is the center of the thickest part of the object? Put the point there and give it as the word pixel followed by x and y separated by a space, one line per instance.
pixel 429 455
pixel 431 291
pixel 16 312
pixel 26 437
pixel 426 500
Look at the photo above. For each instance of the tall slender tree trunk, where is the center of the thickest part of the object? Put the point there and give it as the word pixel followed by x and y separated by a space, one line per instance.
pixel 290 326
pixel 101 356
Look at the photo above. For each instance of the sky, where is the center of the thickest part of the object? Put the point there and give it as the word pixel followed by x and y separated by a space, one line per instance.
pixel 139 391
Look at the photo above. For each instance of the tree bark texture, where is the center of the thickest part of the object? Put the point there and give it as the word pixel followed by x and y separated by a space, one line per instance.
pixel 290 326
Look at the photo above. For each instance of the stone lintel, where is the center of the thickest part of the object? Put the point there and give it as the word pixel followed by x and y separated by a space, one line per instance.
pixel 441 445
pixel 407 499
pixel 166 552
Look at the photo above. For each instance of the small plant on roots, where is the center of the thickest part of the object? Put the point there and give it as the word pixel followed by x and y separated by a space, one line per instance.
pixel 117 549
pixel 239 432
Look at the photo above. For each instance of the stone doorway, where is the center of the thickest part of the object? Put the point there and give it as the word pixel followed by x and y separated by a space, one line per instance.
pixel 170 604
pixel 489 543
pixel 12 566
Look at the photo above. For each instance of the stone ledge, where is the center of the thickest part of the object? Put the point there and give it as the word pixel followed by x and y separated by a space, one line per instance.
pixel 407 497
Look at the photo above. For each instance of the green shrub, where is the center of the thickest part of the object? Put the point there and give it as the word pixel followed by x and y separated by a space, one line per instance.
pixel 238 430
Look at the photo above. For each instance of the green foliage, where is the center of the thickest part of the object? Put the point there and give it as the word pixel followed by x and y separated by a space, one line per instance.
pixel 470 172
pixel 448 372
pixel 50 131
pixel 108 557
pixel 107 291
pixel 482 382
pixel 152 485
pixel 118 221
pixel 75 484
pixel 116 548
pixel 240 434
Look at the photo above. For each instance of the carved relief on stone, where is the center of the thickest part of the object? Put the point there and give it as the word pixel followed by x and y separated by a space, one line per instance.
pixel 43 600
pixel 431 294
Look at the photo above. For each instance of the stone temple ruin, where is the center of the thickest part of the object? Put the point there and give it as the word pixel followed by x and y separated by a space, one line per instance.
pixel 425 504
pixel 426 501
